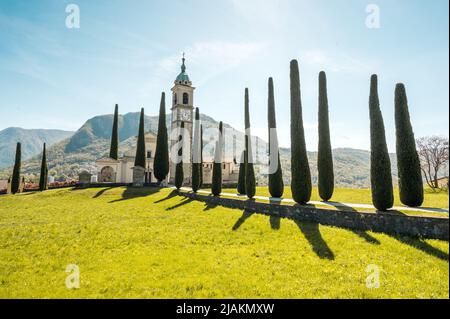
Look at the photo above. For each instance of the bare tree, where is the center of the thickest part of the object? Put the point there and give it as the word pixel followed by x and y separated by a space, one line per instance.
pixel 433 153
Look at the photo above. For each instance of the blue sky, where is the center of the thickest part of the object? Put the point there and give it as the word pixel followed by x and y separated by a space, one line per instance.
pixel 127 52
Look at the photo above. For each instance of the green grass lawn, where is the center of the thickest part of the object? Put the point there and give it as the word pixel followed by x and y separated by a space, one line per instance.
pixel 151 243
pixel 435 199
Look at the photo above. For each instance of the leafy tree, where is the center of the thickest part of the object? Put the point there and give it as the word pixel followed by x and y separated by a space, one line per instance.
pixel 241 179
pixel 380 164
pixel 161 161
pixel 179 174
pixel 250 183
pixel 15 182
pixel 114 151
pixel 276 185
pixel 325 155
pixel 44 171
pixel 408 163
pixel 301 175
pixel 140 149
pixel 196 157
pixel 216 186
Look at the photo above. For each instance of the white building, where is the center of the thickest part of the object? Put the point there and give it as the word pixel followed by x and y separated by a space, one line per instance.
pixel 121 170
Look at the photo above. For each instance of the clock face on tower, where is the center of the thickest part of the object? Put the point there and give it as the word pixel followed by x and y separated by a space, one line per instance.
pixel 185 115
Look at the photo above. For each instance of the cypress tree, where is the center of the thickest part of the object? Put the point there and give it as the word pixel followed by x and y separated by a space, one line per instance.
pixel 15 182
pixel 216 186
pixel 276 185
pixel 200 184
pixel 408 163
pixel 114 150
pixel 301 175
pixel 241 179
pixel 44 171
pixel 161 162
pixel 196 158
pixel 250 184
pixel 324 155
pixel 140 149
pixel 380 165
pixel 179 174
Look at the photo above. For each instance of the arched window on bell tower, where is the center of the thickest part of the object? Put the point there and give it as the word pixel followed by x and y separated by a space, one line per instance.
pixel 185 98
pixel 175 99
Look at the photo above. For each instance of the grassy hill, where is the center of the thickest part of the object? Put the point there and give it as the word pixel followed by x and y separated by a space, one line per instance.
pixel 68 157
pixel 151 243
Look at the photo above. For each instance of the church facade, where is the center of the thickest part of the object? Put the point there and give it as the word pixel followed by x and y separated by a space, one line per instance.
pixel 110 170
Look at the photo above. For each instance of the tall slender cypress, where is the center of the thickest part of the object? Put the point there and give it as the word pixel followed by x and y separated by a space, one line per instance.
pixel 179 174
pixel 380 164
pixel 15 182
pixel 140 149
pixel 241 179
pixel 196 157
pixel 216 186
pixel 250 187
pixel 161 162
pixel 44 171
pixel 276 185
pixel 324 155
pixel 200 184
pixel 114 150
pixel 301 175
pixel 409 174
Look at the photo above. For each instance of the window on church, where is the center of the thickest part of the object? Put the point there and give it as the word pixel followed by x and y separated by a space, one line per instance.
pixel 185 98
pixel 149 154
pixel 174 99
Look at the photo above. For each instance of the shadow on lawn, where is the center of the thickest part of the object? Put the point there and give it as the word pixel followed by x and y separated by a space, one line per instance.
pixel 172 194
pixel 361 233
pixel 101 192
pixel 184 201
pixel 423 246
pixel 315 239
pixel 134 192
pixel 413 242
pixel 245 215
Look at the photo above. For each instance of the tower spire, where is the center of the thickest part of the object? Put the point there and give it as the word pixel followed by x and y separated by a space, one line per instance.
pixel 183 67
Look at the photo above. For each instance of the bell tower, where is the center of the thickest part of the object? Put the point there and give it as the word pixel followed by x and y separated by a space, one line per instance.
pixel 182 111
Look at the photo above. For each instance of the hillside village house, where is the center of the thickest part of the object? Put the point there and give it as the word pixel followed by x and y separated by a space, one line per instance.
pixel 121 171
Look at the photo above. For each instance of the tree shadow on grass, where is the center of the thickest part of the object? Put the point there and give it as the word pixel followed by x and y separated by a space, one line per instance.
pixel 423 246
pixel 315 239
pixel 101 192
pixel 245 215
pixel 184 201
pixel 172 194
pixel 274 220
pixel 209 205
pixel 136 192
pixel 361 233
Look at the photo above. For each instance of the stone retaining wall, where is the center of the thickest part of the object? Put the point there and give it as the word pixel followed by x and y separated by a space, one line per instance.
pixel 387 222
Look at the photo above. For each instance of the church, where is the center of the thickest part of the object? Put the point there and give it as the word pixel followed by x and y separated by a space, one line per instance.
pixel 110 170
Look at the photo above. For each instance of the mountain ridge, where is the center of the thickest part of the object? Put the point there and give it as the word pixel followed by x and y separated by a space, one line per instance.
pixel 91 141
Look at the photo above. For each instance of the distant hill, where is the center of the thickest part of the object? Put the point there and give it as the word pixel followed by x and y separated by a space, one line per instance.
pixel 31 140
pixel 79 151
